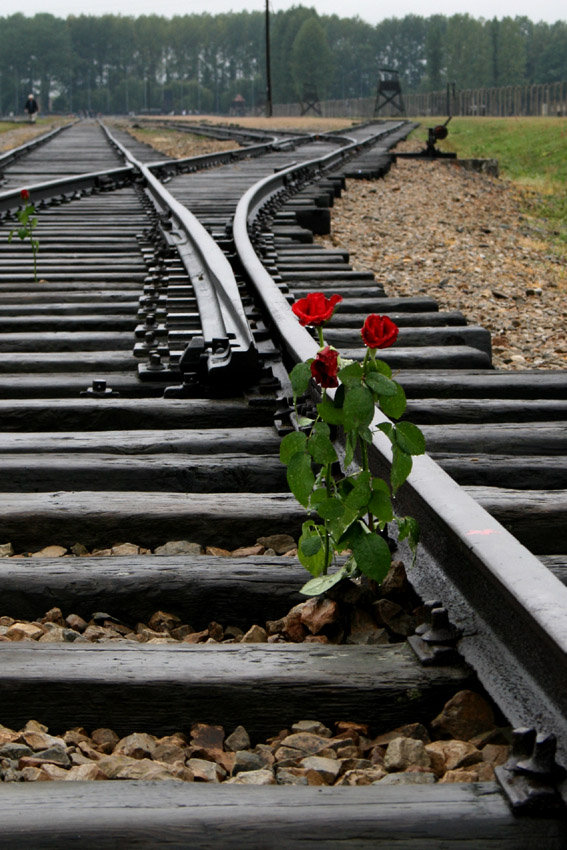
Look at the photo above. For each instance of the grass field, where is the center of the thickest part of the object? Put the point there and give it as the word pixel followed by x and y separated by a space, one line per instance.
pixel 532 153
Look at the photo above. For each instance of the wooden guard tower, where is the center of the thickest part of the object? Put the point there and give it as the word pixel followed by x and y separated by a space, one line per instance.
pixel 310 99
pixel 388 90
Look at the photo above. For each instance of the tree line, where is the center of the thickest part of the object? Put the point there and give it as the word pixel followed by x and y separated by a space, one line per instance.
pixel 199 63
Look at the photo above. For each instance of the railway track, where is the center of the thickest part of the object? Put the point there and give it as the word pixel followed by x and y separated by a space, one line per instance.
pixel 117 426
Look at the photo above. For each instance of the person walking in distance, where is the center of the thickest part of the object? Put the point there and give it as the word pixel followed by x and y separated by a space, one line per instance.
pixel 31 108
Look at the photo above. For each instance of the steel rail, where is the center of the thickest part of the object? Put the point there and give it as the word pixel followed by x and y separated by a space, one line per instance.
pixel 15 153
pixel 511 609
pixel 65 186
pixel 228 340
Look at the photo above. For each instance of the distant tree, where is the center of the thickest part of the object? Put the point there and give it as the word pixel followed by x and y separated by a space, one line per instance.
pixel 311 59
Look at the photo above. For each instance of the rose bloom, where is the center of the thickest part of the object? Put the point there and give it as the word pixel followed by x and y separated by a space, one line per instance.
pixel 315 309
pixel 379 331
pixel 24 195
pixel 325 367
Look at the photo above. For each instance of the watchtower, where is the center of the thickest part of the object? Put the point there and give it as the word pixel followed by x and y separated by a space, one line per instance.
pixel 388 90
pixel 310 99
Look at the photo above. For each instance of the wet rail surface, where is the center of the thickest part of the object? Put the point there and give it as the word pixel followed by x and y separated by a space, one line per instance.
pixel 209 466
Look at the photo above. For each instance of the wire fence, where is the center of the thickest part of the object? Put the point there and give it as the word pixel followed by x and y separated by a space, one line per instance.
pixel 549 99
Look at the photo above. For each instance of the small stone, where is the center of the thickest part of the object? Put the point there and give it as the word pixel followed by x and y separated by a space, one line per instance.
pixel 79 550
pixel 34 726
pixel 217 552
pixel 7 621
pixel 179 547
pixel 361 777
pixel 53 755
pixel 303 744
pixel 138 745
pixel 125 549
pixel 294 629
pixel 42 740
pixel 253 777
pixel 407 779
pixel 101 553
pixel 405 752
pixel 169 753
pixel 6 550
pixel 104 739
pixel 395 585
pixel 408 730
pixel 275 627
pixel 161 621
pixel 72 737
pixel 448 755
pixel 256 634
pixel 197 637
pixel 180 771
pixel 350 729
pixel 124 767
pixel 238 740
pixel 393 616
pixel 319 612
pixel 280 543
pixel 312 726
pixel 50 552
pixel 181 632
pixel 247 551
pixel 35 774
pixel 354 763
pixel 76 623
pixel 14 751
pixel 216 631
pixel 207 736
pixel 245 760
pixel 233 632
pixel 465 715
pixel 495 754
pixel 25 631
pixel 206 771
pixel 291 776
pixel 54 771
pixel 54 615
pixel 85 772
pixel 459 775
pixel 7 736
pixel 327 768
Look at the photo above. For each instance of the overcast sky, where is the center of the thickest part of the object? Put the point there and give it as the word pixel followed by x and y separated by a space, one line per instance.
pixel 368 10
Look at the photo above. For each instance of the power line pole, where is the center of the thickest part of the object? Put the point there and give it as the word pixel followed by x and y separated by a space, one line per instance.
pixel 268 71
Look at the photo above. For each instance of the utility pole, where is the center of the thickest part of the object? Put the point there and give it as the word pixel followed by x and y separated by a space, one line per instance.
pixel 268 71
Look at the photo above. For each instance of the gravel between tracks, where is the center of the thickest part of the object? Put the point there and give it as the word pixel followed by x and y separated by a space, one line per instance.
pixel 463 238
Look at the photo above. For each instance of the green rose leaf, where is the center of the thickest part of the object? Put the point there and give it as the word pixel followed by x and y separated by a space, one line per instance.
pixel 310 549
pixel 321 449
pixel 329 412
pixel 395 405
pixel 380 506
pixel 331 508
pixel 372 555
pixel 388 429
pixel 378 366
pixel 358 408
pixel 300 477
pixel 291 444
pixel 408 527
pixel 359 496
pixel 409 438
pixel 381 384
pixel 351 375
pixel 401 468
pixel 300 376
pixel 322 429
pixel 323 583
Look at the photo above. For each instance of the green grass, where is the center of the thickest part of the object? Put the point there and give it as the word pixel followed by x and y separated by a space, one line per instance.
pixel 532 154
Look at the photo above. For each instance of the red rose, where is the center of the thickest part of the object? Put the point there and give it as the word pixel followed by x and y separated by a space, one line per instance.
pixel 315 309
pixel 379 331
pixel 24 195
pixel 325 367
